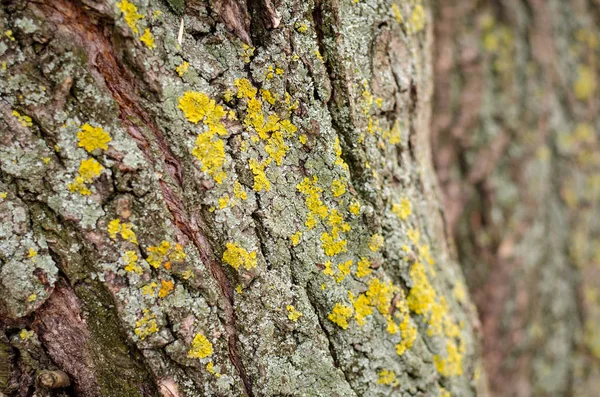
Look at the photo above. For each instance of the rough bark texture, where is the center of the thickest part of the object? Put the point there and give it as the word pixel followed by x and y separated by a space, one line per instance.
pixel 252 211
pixel 516 148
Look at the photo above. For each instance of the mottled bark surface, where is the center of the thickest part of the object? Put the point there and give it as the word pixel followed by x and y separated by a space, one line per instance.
pixel 251 211
pixel 516 149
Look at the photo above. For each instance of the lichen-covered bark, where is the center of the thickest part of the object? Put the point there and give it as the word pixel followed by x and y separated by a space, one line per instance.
pixel 516 143
pixel 225 198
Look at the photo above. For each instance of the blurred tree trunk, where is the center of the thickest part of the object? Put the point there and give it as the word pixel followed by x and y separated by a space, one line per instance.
pixel 516 139
pixel 225 198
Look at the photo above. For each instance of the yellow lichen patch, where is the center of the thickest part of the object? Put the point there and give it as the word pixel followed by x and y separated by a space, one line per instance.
pixel 422 295
pixel 354 207
pixel 239 192
pixel 90 169
pixel 459 292
pixel 125 229
pixel 130 14
pixel 165 253
pixel 339 161
pixel 24 334
pixel 236 256
pixel 261 182
pixel 362 308
pixel 148 39
pixel 276 148
pixel 394 135
pixel 130 258
pixel 301 27
pixel 166 287
pixel 402 209
pixel 397 13
pixel 210 151
pixel 293 314
pixel 183 68
pixel 376 242
pixel 332 246
pixel 451 365
pixel 223 201
pixel 32 253
pixel 32 298
pixel 337 224
pixel 295 238
pixel 3 195
pixel 387 377
pixel 313 202
pixel 268 96
pixel 149 289
pixel 344 270
pixel 239 289
pixel 417 19
pixel 380 295
pixel 586 84
pixel 201 347
pixel 23 119
pixel 303 139
pixel 363 267
pixel 210 367
pixel 146 326
pixel 443 392
pixel 338 187
pixel 340 314
pixel 328 269
pixel 245 88
pixel 409 335
pixel 414 235
pixel 247 52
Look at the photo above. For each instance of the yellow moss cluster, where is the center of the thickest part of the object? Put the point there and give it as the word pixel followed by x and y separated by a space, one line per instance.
pixel 340 314
pixel 130 14
pixel 89 170
pixel 293 314
pixel 92 138
pixel 209 149
pixel 125 229
pixel 146 326
pixel 201 347
pixel 23 119
pixel 165 253
pixel 130 258
pixel 236 256
pixel 402 209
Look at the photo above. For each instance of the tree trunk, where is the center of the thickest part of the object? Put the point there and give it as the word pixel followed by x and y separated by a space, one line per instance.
pixel 238 197
pixel 516 142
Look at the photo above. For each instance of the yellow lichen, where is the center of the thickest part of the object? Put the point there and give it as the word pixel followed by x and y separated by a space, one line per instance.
pixel 276 148
pixel 363 267
pixel 338 187
pixel 239 192
pixel 362 308
pixel 146 326
pixel 317 209
pixel 32 298
pixel 236 256
pixel 24 334
pixel 451 365
pixel 402 209
pixel 89 169
pixel 245 88
pixel 166 287
pixel 585 85
pixel 3 195
pixel 380 295
pixel 210 368
pixel 261 182
pixel 148 39
pixel 295 238
pixel 32 253
pixel 130 14
pixel 331 245
pixel 201 347
pixel 340 314
pixel 23 119
pixel 130 258
pixel 210 151
pixel 125 229
pixel 165 253
pixel 376 242
pixel 293 314
pixel 354 207
pixel 387 377
pixel 344 270
pixel 417 19
pixel 397 13
pixel 149 289
pixel 223 201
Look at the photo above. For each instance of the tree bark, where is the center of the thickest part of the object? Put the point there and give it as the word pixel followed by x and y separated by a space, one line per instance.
pixel 515 134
